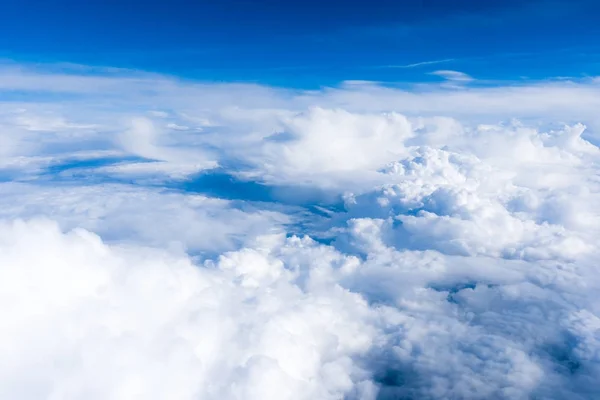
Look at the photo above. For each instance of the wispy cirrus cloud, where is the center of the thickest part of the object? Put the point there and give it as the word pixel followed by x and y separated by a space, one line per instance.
pixel 420 64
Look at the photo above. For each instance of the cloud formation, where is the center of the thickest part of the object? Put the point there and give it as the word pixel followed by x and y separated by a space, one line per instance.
pixel 170 239
pixel 455 76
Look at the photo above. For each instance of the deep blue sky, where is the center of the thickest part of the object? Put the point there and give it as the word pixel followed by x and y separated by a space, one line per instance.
pixel 310 43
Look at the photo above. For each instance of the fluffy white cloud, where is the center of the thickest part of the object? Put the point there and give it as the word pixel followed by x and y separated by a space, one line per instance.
pixel 462 226
pixel 287 319
pixel 329 147
pixel 84 320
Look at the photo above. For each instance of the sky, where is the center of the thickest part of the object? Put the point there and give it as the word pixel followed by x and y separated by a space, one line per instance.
pixel 273 200
pixel 308 44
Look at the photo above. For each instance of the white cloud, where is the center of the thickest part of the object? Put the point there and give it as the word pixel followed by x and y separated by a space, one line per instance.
pixel 150 216
pixel 177 127
pixel 462 266
pixel 420 64
pixel 322 146
pixel 454 76
pixel 89 321
pixel 143 139
pixel 279 320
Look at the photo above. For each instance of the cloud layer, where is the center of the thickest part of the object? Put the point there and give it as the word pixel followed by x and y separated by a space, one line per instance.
pixel 170 239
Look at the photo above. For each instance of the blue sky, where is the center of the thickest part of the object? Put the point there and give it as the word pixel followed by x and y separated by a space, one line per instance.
pixel 169 233
pixel 310 43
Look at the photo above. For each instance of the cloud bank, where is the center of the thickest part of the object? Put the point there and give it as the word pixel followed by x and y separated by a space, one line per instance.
pixel 162 238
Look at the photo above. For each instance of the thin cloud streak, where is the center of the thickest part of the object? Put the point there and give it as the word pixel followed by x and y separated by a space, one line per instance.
pixel 419 64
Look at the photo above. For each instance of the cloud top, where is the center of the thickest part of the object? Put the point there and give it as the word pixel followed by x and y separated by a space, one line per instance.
pixel 162 238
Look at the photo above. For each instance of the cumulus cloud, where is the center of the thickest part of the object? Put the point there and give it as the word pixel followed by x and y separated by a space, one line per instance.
pixel 329 145
pixel 358 242
pixel 90 321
